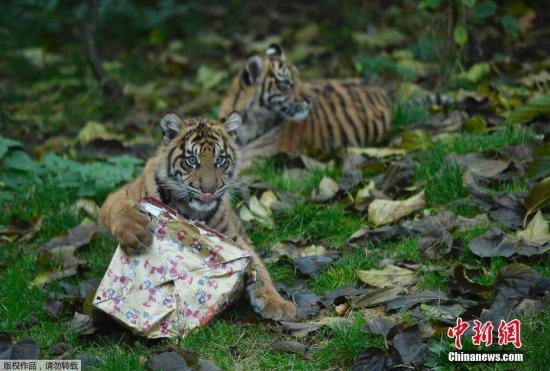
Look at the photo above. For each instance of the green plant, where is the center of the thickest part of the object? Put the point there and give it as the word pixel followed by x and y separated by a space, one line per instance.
pixel 19 171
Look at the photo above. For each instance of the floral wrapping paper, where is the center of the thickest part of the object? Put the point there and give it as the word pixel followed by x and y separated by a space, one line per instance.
pixel 188 275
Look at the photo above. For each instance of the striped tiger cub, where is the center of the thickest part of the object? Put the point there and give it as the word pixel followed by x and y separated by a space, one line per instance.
pixel 193 170
pixel 281 114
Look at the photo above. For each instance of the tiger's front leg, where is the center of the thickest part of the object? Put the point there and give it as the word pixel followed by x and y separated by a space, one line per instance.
pixel 264 297
pixel 121 215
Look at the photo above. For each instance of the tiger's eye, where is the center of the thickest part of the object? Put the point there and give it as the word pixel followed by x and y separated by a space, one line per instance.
pixel 220 160
pixel 284 85
pixel 192 161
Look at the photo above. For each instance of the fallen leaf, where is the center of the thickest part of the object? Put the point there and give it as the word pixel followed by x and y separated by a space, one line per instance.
pixel 536 106
pixel 380 326
pixel 376 359
pixel 463 224
pixel 46 277
pixel 376 297
pixel 386 233
pixel 60 350
pixel 494 242
pixel 167 361
pixel 310 259
pixel 89 207
pixel 538 197
pixel 465 285
pixel 289 346
pixel 312 164
pixel 441 123
pixel 530 307
pixel 86 360
pixel 82 324
pixel 77 237
pixel 268 198
pixel 191 357
pixel 256 211
pixel 6 345
pixel 410 346
pixel 478 165
pixel 539 168
pixel 514 282
pixel 476 125
pixel 94 130
pixel 378 152
pixel 307 302
pixel 537 231
pixel 300 329
pixel 350 179
pixel 21 231
pixel 342 294
pixel 504 208
pixel 407 301
pixel 387 211
pixel 341 309
pixel 391 275
pixel 443 313
pixel 398 175
pixel 25 348
pixel 60 262
pixel 418 139
pixel 53 307
pixel 364 194
pixel 88 286
pixel 206 365
pixel 328 188
pixel 475 73
pixel 31 321
pixel 313 265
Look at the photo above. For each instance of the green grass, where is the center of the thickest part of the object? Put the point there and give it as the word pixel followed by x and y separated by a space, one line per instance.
pixel 343 344
pixel 343 273
pixel 312 222
pixel 278 175
pixel 442 179
pixel 406 114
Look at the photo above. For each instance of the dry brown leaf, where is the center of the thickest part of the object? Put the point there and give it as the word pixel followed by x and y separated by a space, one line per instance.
pixel 388 211
pixel 378 152
pixel 537 231
pixel 341 309
pixel 391 275
pixel 327 189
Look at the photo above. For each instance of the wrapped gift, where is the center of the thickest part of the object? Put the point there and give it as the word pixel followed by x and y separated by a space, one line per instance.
pixel 188 275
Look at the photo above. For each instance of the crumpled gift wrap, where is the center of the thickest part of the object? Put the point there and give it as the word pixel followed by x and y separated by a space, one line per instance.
pixel 188 275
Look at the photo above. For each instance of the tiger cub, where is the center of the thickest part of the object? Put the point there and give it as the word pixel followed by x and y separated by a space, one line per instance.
pixel 281 114
pixel 193 171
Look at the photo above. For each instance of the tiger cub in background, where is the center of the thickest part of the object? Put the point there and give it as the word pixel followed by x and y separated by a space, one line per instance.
pixel 281 114
pixel 192 171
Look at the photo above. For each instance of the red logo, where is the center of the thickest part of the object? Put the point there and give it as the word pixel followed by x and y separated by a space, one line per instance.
pixel 508 332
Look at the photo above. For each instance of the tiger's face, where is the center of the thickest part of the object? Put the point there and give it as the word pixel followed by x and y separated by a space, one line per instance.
pixel 268 94
pixel 199 161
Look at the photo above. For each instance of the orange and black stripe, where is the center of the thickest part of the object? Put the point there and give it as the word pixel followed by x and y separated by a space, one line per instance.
pixel 344 113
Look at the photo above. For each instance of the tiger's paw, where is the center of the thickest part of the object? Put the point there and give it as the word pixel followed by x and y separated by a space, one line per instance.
pixel 134 233
pixel 270 305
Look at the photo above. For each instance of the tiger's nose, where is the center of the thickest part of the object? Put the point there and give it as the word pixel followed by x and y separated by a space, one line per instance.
pixel 206 196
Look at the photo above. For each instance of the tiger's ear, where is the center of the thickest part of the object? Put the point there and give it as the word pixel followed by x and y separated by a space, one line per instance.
pixel 232 122
pixel 253 70
pixel 171 124
pixel 274 51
